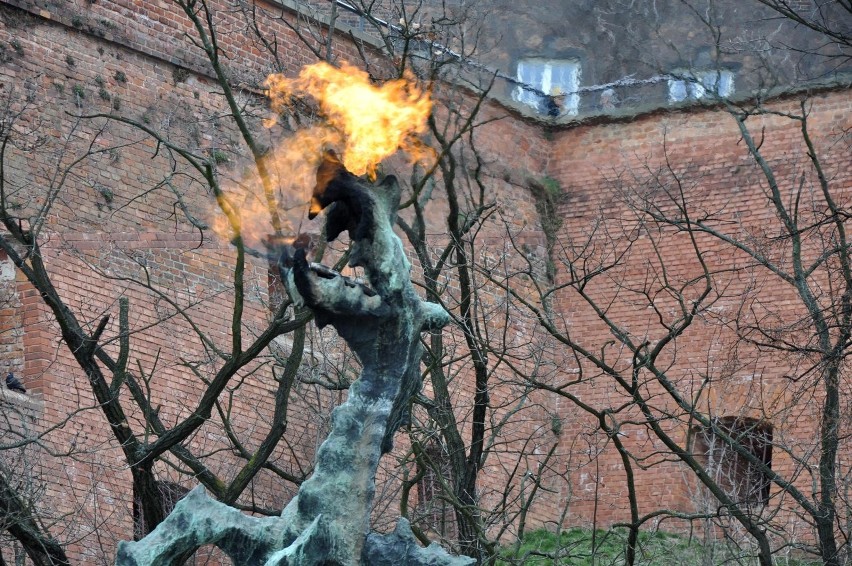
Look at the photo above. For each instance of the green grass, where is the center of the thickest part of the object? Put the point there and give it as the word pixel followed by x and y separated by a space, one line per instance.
pixel 575 547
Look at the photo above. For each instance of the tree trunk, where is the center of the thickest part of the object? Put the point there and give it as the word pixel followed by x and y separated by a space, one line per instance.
pixel 148 511
pixel 826 513
pixel 42 549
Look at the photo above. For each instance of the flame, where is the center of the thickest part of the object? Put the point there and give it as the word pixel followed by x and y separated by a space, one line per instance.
pixel 373 121
pixel 363 122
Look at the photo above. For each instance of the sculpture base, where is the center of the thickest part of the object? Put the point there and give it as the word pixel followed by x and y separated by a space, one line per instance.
pixel 199 520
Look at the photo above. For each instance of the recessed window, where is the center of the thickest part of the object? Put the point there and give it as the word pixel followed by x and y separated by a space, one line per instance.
pixel 695 85
pixel 742 479
pixel 549 86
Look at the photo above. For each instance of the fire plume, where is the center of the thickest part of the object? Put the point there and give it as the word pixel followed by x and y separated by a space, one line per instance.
pixel 363 122
pixel 373 121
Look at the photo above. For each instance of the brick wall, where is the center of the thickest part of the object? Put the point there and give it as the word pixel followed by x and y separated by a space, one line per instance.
pixel 606 171
pixel 116 229
pixel 116 218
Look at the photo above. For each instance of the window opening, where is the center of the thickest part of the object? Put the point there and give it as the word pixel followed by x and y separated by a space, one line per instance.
pixel 549 86
pixel 695 85
pixel 741 479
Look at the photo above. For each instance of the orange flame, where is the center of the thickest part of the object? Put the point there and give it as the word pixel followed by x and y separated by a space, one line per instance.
pixel 374 121
pixel 363 122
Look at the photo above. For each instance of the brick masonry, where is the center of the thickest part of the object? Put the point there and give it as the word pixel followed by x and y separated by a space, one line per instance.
pixel 603 169
pixel 116 218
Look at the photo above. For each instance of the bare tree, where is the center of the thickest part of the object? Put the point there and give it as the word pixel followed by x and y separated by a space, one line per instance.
pixel 144 328
pixel 120 335
pixel 679 294
pixel 828 18
pixel 469 414
pixel 721 322
pixel 490 375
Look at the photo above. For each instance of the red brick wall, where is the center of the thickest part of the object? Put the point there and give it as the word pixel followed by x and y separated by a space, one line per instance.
pixel 114 219
pixel 108 222
pixel 599 167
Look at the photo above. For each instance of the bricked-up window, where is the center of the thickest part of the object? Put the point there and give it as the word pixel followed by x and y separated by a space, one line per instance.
pixel 744 481
pixel 556 81
pixel 433 511
pixel 695 85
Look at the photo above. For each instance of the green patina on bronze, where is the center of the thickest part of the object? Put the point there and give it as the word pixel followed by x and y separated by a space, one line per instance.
pixel 327 523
